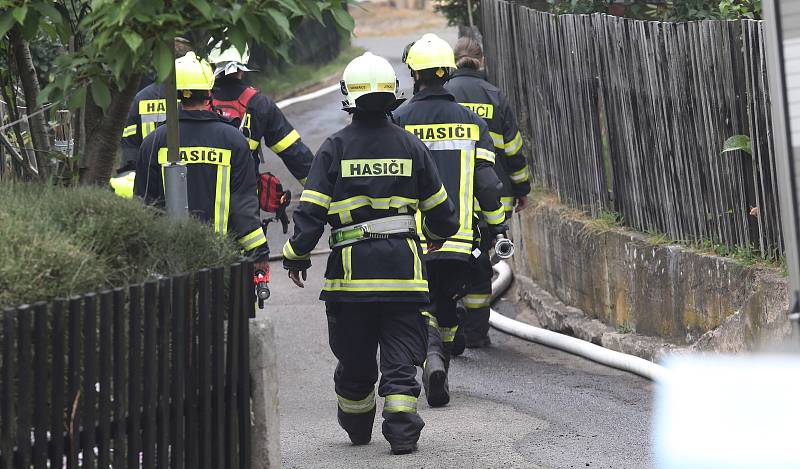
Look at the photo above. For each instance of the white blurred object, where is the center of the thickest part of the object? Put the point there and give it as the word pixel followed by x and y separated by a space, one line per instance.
pixel 715 412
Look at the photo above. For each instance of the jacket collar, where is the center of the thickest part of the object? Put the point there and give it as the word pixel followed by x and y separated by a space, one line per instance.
pixel 433 93
pixel 204 115
pixel 468 72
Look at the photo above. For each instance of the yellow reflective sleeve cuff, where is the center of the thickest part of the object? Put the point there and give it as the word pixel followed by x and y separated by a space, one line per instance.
pixel 129 130
pixel 483 154
pixel 495 217
pixel 289 253
pixel 497 139
pixel 285 142
pixel 513 147
pixel 302 181
pixel 315 197
pixel 518 177
pixel 253 144
pixel 253 239
pixel 434 200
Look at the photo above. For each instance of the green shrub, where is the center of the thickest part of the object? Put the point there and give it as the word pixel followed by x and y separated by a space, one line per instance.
pixel 57 241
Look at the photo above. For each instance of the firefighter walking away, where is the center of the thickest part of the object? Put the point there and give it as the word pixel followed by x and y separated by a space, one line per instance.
pixel 220 176
pixel 367 181
pixel 463 152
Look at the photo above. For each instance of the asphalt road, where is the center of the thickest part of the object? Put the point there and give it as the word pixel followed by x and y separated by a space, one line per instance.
pixel 514 405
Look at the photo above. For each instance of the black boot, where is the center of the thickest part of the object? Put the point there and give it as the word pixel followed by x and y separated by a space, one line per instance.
pixel 459 342
pixel 403 448
pixel 434 380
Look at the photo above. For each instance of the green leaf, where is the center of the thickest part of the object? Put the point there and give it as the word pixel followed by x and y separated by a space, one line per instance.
pixel 77 98
pixel 49 11
pixel 6 23
pixel 20 13
pixel 281 20
pixel 343 19
pixel 164 60
pixel 132 39
pixel 100 93
pixel 738 142
pixel 204 8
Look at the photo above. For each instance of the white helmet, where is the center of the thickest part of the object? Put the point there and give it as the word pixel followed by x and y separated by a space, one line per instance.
pixel 230 60
pixel 365 75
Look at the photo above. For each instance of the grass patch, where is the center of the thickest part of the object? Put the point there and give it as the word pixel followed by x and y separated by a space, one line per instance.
pixel 294 78
pixel 56 242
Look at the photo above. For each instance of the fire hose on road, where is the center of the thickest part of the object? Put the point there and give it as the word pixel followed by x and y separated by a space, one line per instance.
pixel 596 353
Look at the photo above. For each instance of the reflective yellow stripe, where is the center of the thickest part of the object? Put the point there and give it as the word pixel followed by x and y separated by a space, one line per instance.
pixel 314 197
pixel 476 300
pixel 432 321
pixel 508 203
pixel 148 128
pixel 497 139
pixel 289 253
pixel 285 142
pixel 347 262
pixel 513 147
pixel 253 239
pixel 412 244
pixel 495 217
pixel 456 246
pixel 400 403
pixel 484 154
pixel 129 130
pixel 520 176
pixel 302 181
pixel 434 200
pixel 345 217
pixel 465 191
pixel 360 406
pixel 222 199
pixel 448 333
pixel 385 203
pixel 253 144
pixel 372 285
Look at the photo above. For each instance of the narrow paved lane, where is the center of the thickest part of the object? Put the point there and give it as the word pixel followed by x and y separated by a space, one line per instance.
pixel 515 405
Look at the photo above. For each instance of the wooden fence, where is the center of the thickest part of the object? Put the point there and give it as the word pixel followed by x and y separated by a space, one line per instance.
pixel 630 116
pixel 136 378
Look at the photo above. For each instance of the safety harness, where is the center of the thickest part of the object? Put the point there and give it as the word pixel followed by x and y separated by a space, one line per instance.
pixel 236 109
pixel 399 226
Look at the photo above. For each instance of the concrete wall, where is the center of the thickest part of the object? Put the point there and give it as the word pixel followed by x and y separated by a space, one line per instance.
pixel 667 291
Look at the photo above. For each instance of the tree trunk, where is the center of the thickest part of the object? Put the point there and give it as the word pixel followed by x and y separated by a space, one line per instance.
pixel 30 85
pixel 103 135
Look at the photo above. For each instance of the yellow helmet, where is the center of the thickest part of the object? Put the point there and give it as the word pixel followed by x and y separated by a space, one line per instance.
pixel 192 73
pixel 429 51
pixel 367 74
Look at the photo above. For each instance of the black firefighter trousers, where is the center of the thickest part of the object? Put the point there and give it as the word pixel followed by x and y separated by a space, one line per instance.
pixel 447 280
pixel 355 330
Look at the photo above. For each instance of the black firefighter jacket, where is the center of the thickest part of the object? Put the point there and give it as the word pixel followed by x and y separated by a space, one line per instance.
pixel 265 120
pixel 368 170
pixel 462 149
pixel 221 180
pixel 148 111
pixel 471 90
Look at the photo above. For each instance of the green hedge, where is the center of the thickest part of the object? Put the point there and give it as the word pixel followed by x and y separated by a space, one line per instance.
pixel 57 241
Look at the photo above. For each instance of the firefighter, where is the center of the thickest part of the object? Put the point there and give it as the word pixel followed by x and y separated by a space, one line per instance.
pixel 255 114
pixel 147 112
pixel 367 181
pixel 463 152
pixel 221 181
pixel 470 88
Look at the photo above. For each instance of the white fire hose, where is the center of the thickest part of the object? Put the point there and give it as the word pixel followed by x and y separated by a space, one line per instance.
pixel 596 353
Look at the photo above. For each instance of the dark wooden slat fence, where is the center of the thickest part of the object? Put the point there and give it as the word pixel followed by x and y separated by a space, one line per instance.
pixel 137 378
pixel 630 116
